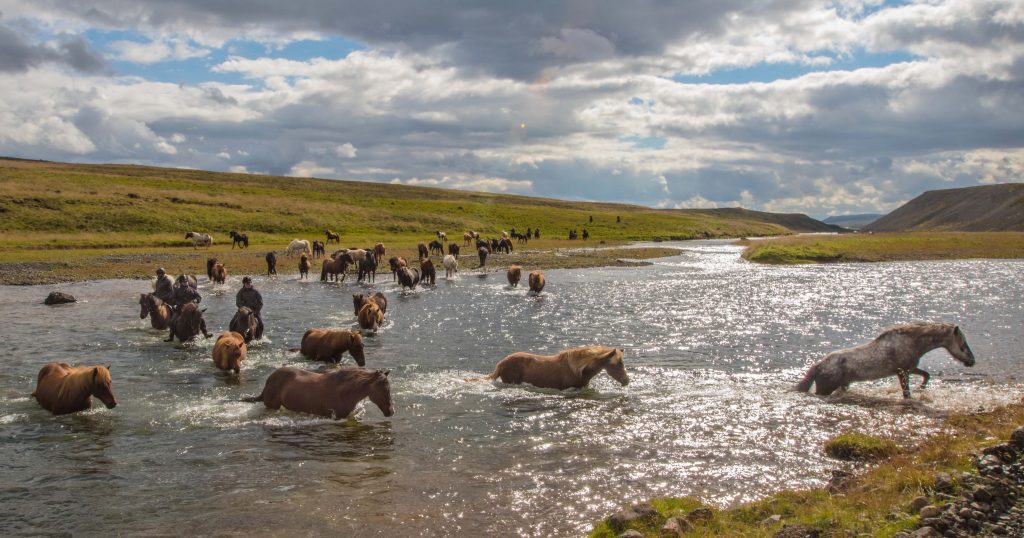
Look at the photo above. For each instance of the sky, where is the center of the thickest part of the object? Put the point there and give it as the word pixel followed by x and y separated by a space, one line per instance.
pixel 823 108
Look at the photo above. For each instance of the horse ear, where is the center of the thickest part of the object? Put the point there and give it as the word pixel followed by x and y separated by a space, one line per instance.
pixel 386 372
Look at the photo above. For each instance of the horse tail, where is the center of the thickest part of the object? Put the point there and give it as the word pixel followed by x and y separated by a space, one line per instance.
pixel 805 384
pixel 253 399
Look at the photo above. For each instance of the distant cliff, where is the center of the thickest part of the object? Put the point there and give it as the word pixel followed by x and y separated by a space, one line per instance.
pixel 988 208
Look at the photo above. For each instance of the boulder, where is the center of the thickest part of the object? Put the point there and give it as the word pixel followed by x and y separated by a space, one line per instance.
pixel 621 519
pixel 930 511
pixel 943 482
pixel 700 514
pixel 675 527
pixel 645 510
pixel 917 504
pixel 631 533
pixel 59 297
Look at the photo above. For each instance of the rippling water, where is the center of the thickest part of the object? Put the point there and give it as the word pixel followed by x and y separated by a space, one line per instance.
pixel 712 344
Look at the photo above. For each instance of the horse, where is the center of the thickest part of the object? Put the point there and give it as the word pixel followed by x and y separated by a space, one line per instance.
pixel 187 324
pixel 453 249
pixel 334 267
pixel 436 246
pixel 536 233
pixel 242 240
pixel 304 267
pixel 378 252
pixel 896 351
pixel 191 279
pixel 199 239
pixel 229 351
pixel 331 236
pixel 370 317
pixel 494 245
pixel 319 249
pixel 451 265
pixel 328 345
pixel 428 274
pixel 367 268
pixel 333 394
pixel 220 274
pixel 408 277
pixel 442 236
pixel 298 246
pixel 62 388
pixel 484 244
pixel 569 369
pixel 246 324
pixel 271 264
pixel 515 273
pixel 482 254
pixel 536 280
pixel 396 263
pixel 358 300
pixel 505 246
pixel 210 262
pixel 469 236
pixel 423 251
pixel 159 313
pixel 352 255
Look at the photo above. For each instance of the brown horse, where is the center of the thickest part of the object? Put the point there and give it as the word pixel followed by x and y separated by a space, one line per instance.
pixel 246 324
pixel 229 351
pixel 571 368
pixel 331 236
pixel 358 300
pixel 515 273
pixel 396 263
pixel 62 388
pixel 159 313
pixel 304 267
pixel 220 274
pixel 379 251
pixel 187 324
pixel 536 282
pixel 210 262
pixel 370 317
pixel 428 274
pixel 422 248
pixel 328 345
pixel 334 267
pixel 334 394
pixel 408 277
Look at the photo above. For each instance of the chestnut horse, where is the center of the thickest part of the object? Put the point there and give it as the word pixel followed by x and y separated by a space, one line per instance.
pixel 334 267
pixel 571 368
pixel 334 394
pixel 304 268
pixel 246 324
pixel 328 345
pixel 358 300
pixel 428 274
pixel 159 313
pixel 379 251
pixel 62 388
pixel 536 281
pixel 331 236
pixel 220 274
pixel 370 317
pixel 515 273
pixel 229 351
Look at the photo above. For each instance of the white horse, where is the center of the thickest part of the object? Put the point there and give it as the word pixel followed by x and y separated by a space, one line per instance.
pixel 894 352
pixel 299 246
pixel 451 266
pixel 199 239
pixel 442 236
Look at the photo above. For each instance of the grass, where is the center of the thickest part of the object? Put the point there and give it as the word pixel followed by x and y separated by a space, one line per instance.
pixel 874 503
pixel 884 247
pixel 855 446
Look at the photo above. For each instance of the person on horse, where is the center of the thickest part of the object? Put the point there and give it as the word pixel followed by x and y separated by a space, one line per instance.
pixel 248 296
pixel 183 294
pixel 164 288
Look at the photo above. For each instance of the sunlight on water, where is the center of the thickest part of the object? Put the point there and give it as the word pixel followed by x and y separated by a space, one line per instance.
pixel 713 345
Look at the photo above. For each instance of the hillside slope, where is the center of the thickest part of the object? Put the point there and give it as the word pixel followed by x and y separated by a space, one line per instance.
pixel 853 222
pixel 797 222
pixel 988 208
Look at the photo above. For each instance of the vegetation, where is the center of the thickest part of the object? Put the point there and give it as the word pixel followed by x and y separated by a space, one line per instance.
pixel 874 502
pixel 858 447
pixel 881 247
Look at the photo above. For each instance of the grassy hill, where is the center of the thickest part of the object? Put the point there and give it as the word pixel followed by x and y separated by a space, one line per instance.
pixel 988 208
pixel 56 205
pixel 853 222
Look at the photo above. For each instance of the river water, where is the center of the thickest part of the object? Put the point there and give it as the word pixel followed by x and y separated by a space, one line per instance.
pixel 712 345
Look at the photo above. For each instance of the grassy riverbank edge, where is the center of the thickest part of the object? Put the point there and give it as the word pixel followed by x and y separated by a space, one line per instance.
pixel 884 247
pixel 874 501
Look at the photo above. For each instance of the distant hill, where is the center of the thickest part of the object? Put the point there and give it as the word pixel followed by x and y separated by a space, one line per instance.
pixel 853 222
pixel 797 222
pixel 988 208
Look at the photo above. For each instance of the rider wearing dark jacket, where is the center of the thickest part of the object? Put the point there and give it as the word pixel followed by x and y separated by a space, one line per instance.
pixel 248 296
pixel 184 294
pixel 164 289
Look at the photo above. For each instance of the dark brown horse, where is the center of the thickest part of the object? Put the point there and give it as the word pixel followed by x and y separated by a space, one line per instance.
pixel 358 300
pixel 62 388
pixel 159 313
pixel 334 394
pixel 367 268
pixel 319 249
pixel 482 252
pixel 210 262
pixel 423 250
pixel 453 249
pixel 436 248
pixel 246 324
pixel 242 240
pixel 408 277
pixel 396 263
pixel 271 264
pixel 334 267
pixel 428 274
pixel 304 267
pixel 186 324
pixel 572 368
pixel 329 345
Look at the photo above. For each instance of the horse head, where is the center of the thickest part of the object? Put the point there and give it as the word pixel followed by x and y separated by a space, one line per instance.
pixel 100 386
pixel 380 392
pixel 356 350
pixel 144 304
pixel 616 367
pixel 957 346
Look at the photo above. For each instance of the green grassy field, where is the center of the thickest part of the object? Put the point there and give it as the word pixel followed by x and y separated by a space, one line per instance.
pixel 881 247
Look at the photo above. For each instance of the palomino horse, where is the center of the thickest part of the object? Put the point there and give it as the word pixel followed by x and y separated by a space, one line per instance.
pixel 894 352
pixel 331 236
pixel 370 317
pixel 515 273
pixel 159 313
pixel 329 345
pixel 229 351
pixel 468 237
pixel 187 324
pixel 246 324
pixel 62 388
pixel 571 368
pixel 298 246
pixel 451 265
pixel 199 239
pixel 536 280
pixel 333 394
pixel 358 300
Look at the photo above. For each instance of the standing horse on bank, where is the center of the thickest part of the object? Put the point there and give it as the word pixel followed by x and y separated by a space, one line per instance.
pixel 199 239
pixel 271 264
pixel 298 246
pixel 242 240
pixel 895 352
pixel 159 312
pixel 332 236
pixel 436 247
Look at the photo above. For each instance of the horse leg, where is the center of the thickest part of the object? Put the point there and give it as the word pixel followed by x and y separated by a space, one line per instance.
pixel 904 378
pixel 202 326
pixel 924 375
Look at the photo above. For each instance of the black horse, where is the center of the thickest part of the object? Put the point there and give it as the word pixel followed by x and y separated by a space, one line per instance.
pixel 319 249
pixel 242 240
pixel 436 246
pixel 368 267
pixel 210 262
pixel 453 249
pixel 271 264
pixel 482 253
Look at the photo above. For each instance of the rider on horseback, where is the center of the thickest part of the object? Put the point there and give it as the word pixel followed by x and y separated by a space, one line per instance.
pixel 249 297
pixel 183 294
pixel 164 288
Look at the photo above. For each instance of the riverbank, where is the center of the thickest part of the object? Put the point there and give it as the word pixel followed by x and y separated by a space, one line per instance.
pixel 885 247
pixel 965 480
pixel 55 266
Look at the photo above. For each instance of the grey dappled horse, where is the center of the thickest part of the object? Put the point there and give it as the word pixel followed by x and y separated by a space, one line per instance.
pixel 894 352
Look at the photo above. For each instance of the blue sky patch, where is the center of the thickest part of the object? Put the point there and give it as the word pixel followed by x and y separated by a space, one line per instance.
pixel 770 72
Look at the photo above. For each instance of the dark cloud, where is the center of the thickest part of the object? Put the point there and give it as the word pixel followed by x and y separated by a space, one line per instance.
pixel 18 54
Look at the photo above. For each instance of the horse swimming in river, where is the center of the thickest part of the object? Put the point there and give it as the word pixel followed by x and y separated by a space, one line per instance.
pixel 571 368
pixel 894 352
pixel 62 388
pixel 334 394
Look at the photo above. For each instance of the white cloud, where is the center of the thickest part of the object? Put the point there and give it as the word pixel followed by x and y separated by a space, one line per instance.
pixel 310 169
pixel 157 51
pixel 346 151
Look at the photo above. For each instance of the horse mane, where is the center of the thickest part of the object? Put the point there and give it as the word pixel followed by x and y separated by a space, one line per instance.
pixel 79 379
pixel 917 329
pixel 581 358
pixel 356 375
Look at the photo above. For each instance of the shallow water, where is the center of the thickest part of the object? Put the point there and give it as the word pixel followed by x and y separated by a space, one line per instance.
pixel 712 344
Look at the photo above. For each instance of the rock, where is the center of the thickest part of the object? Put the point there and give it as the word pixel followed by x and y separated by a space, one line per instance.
pixel 619 520
pixel 991 461
pixel 981 494
pixel 675 527
pixel 59 297
pixel 943 482
pixel 631 533
pixel 645 510
pixel 1017 439
pixel 930 511
pixel 700 514
pixel 771 520
pixel 797 531
pixel 925 532
pixel 841 479
pixel 917 504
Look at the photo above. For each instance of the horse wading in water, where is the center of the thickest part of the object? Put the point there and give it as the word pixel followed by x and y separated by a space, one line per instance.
pixel 894 352
pixel 571 368
pixel 229 351
pixel 62 388
pixel 333 394
pixel 159 312
pixel 328 345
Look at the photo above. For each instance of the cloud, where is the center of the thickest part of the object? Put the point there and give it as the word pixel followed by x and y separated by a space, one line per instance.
pixel 156 51
pixel 19 54
pixel 346 151
pixel 310 169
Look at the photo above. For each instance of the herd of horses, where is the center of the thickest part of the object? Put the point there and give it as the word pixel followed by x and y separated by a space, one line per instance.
pixel 62 388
